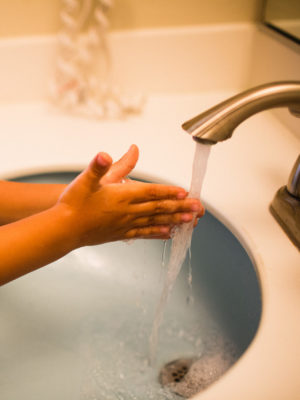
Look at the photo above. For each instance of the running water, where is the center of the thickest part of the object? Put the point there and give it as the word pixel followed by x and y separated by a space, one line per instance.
pixel 180 244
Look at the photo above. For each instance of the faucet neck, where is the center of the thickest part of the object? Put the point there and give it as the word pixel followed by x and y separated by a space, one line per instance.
pixel 218 123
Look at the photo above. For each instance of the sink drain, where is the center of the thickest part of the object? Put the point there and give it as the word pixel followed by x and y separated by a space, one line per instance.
pixel 188 376
pixel 175 371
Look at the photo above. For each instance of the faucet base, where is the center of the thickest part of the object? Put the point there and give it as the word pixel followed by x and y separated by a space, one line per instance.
pixel 285 208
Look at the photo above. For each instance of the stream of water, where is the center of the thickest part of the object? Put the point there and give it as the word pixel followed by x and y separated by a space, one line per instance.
pixel 118 367
pixel 180 244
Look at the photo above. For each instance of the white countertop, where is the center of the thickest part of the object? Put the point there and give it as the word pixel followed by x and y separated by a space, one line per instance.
pixel 242 177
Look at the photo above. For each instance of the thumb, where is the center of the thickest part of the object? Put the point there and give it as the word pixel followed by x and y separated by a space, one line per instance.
pixel 123 167
pixel 96 169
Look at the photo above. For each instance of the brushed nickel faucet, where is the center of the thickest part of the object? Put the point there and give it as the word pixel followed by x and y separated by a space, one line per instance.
pixel 219 122
pixel 285 206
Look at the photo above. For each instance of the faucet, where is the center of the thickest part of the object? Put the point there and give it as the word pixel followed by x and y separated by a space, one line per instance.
pixel 218 123
pixel 285 206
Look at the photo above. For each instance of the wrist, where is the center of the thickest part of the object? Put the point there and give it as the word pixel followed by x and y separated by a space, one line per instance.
pixel 64 217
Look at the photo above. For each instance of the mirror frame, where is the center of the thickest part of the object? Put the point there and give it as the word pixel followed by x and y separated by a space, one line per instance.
pixel 270 23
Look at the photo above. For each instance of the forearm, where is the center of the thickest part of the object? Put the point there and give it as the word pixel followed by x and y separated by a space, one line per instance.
pixel 33 242
pixel 20 200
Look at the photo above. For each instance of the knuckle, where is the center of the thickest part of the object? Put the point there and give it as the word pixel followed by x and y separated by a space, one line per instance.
pixel 177 218
pixel 152 192
pixel 151 220
pixel 159 208
pixel 131 234
pixel 166 206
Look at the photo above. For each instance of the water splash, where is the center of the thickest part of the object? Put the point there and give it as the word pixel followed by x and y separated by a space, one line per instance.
pixel 180 244
pixel 190 298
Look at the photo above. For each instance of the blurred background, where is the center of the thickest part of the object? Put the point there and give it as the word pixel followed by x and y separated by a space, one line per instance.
pixel 35 17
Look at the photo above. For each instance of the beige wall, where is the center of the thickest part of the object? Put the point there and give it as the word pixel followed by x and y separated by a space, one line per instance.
pixel 30 17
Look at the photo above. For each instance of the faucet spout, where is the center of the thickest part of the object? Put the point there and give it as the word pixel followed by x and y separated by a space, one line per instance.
pixel 219 122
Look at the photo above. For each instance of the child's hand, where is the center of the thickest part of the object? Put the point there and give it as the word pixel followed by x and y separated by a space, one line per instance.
pixel 95 208
pixel 101 210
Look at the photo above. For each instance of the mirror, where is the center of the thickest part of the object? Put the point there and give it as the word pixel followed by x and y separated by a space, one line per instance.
pixel 284 17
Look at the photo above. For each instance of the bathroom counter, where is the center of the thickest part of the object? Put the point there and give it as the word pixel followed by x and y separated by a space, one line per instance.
pixel 243 175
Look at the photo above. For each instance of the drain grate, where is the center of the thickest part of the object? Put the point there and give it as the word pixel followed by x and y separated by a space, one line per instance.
pixel 175 371
pixel 188 376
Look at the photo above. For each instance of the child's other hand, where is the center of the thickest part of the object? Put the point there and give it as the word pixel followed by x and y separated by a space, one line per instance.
pixel 118 171
pixel 100 209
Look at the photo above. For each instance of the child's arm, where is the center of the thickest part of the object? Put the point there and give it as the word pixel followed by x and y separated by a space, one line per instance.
pixel 92 211
pixel 20 200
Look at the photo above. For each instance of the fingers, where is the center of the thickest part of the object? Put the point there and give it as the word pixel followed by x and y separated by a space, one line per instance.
pixel 97 168
pixel 169 207
pixel 120 169
pixel 159 226
pixel 154 231
pixel 145 192
pixel 164 219
pixel 149 232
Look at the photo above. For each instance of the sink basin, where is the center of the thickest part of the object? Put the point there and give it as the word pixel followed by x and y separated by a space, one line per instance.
pixel 79 328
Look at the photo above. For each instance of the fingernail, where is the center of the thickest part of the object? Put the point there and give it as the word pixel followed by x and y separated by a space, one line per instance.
pixel 195 207
pixel 164 229
pixel 102 161
pixel 186 217
pixel 181 195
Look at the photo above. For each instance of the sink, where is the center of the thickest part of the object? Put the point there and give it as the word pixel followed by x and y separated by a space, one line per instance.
pixel 79 328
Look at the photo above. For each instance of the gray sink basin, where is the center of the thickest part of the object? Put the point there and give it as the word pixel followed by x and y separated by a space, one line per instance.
pixel 79 328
